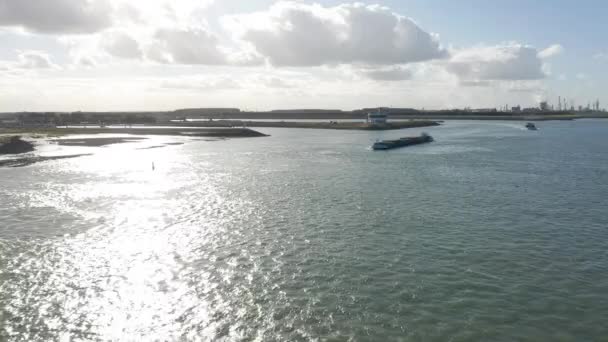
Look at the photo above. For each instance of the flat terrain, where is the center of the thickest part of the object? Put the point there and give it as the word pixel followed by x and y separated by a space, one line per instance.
pixel 532 117
pixel 189 132
pixel 95 142
pixel 26 161
pixel 11 142
pixel 335 125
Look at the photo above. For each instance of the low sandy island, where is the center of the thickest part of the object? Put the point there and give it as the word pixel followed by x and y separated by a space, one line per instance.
pixel 215 132
pixel 25 161
pixel 15 145
pixel 17 141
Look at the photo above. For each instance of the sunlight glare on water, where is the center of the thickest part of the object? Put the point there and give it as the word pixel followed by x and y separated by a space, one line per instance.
pixel 491 233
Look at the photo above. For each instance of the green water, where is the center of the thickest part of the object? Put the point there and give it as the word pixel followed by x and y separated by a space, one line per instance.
pixel 492 233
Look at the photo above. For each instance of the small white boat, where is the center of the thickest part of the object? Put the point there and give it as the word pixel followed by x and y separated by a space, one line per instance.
pixel 531 126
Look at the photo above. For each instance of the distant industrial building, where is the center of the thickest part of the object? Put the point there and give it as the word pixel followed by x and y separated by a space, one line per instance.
pixel 9 122
pixel 378 118
pixel 484 110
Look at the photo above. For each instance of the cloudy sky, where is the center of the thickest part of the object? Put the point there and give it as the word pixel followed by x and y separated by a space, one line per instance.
pixel 67 55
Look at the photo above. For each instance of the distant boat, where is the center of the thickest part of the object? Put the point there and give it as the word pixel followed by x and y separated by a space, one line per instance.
pixel 531 126
pixel 403 142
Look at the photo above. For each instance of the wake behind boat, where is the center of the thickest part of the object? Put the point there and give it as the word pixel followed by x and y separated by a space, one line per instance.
pixel 403 142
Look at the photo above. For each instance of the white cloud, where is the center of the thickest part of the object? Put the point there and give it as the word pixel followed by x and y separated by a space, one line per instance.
pixel 601 56
pixel 34 60
pixel 86 62
pixel 167 31
pixel 392 73
pixel 290 54
pixel 551 51
pixel 243 56
pixel 298 34
pixel 88 51
pixel 190 84
pixel 121 45
pixel 28 60
pixel 197 46
pixel 161 13
pixel 535 87
pixel 89 16
pixel 475 83
pixel 497 63
pixel 187 46
pixel 56 16
pixel 228 81
pixel 276 82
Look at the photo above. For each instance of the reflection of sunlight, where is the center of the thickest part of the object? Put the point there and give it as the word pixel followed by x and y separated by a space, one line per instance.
pixel 142 254
pixel 144 294
pixel 125 277
pixel 130 157
pixel 131 268
pixel 117 171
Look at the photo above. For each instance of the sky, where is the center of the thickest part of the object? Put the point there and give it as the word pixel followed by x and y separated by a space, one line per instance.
pixel 114 55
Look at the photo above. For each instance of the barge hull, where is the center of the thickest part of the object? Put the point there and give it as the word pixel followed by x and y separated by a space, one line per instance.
pixel 403 142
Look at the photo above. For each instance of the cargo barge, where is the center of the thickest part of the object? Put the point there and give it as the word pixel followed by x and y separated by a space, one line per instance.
pixel 403 142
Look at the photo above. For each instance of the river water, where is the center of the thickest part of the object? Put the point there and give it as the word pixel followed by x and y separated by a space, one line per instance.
pixel 492 233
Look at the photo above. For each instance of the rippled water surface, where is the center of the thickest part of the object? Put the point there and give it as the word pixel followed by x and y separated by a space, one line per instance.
pixel 492 233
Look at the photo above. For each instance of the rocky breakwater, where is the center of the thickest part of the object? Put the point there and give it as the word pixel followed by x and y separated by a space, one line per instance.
pixel 15 145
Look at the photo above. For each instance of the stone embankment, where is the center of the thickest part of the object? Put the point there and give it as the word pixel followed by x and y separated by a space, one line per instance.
pixel 15 145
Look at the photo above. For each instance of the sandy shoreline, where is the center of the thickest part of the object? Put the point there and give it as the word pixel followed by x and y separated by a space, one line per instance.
pixel 186 132
pixel 25 161
pixel 13 141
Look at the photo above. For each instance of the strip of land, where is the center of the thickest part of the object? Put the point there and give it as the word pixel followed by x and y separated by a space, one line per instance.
pixel 171 131
pixel 94 142
pixel 164 118
pixel 25 161
pixel 557 117
pixel 335 125
pixel 12 143
pixel 15 145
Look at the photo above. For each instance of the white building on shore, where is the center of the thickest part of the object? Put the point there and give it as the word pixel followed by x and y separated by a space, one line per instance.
pixel 377 118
